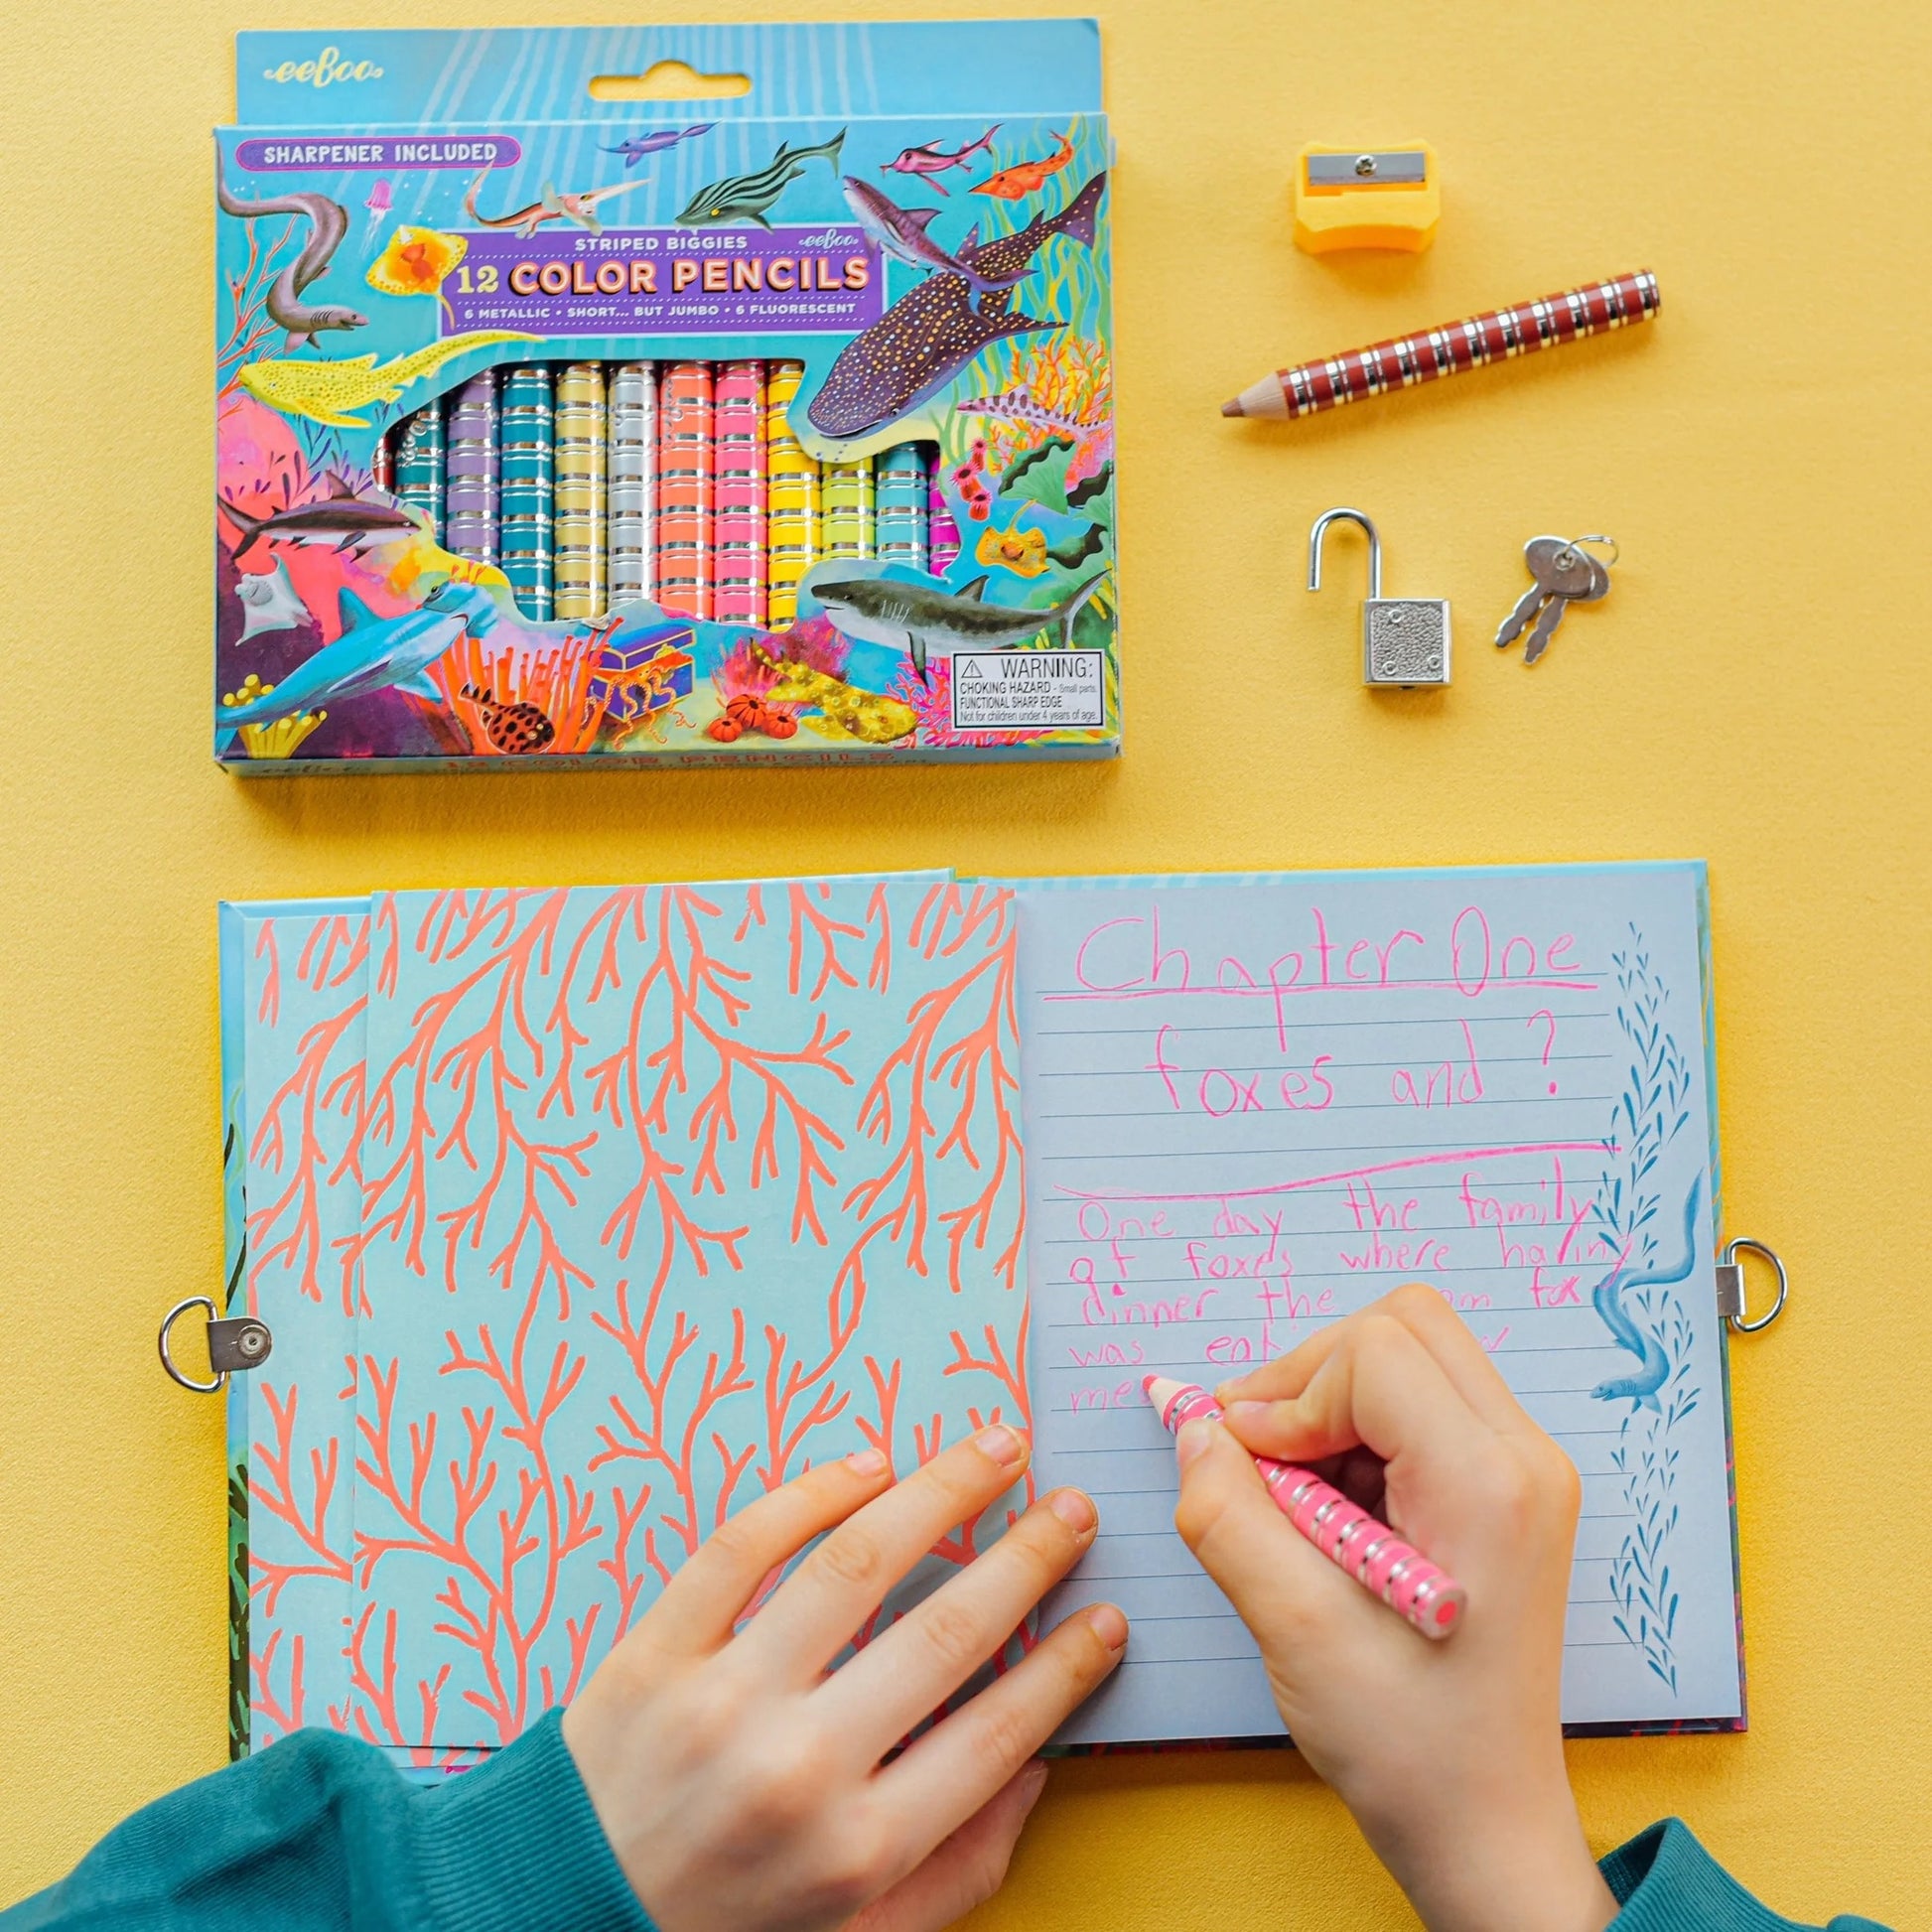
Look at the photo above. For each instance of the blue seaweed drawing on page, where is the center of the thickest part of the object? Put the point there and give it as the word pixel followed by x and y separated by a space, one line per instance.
pixel 1641 1306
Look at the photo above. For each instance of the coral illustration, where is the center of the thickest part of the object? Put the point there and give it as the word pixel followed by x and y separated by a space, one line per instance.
pixel 669 1193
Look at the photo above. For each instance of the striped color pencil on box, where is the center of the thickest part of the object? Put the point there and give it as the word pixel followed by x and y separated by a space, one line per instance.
pixel 901 514
pixel 793 497
pixel 847 517
pixel 941 528
pixel 419 465
pixel 739 523
pixel 525 489
pixel 579 488
pixel 382 463
pixel 684 484
pixel 632 457
pixel 470 497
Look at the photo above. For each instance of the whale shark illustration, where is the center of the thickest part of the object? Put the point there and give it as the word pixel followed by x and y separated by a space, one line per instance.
pixel 918 346
pixel 372 654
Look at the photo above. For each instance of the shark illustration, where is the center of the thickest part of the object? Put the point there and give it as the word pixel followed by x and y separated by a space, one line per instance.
pixel 910 618
pixel 1640 1386
pixel 580 207
pixel 929 160
pixel 269 600
pixel 329 392
pixel 637 146
pixel 918 346
pixel 901 232
pixel 342 519
pixel 372 654
pixel 750 197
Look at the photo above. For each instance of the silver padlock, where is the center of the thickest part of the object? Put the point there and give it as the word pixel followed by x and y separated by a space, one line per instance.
pixel 1404 640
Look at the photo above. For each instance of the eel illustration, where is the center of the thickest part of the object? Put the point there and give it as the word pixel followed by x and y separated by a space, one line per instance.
pixel 580 207
pixel 342 519
pixel 1639 1388
pixel 328 392
pixel 901 233
pixel 918 346
pixel 912 619
pixel 750 197
pixel 328 224
pixel 928 161
pixel 371 654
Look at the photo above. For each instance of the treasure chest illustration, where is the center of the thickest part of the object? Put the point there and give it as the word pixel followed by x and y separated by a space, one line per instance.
pixel 642 672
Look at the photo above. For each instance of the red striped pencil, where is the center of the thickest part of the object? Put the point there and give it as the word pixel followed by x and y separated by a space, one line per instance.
pixel 685 460
pixel 1401 364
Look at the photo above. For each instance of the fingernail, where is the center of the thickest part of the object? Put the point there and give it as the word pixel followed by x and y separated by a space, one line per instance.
pixel 1075 1508
pixel 1033 1781
pixel 1194 1437
pixel 1108 1626
pixel 1003 1444
pixel 867 1462
pixel 1225 1392
pixel 1248 1410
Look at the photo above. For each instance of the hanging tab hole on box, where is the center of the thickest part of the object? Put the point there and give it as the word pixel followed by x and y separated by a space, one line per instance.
pixel 235 1344
pixel 670 81
pixel 1731 1286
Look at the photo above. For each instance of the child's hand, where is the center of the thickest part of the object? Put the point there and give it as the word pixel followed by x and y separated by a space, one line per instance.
pixel 1450 1754
pixel 740 1785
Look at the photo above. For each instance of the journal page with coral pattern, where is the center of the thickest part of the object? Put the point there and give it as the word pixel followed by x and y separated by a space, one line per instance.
pixel 295 984
pixel 669 1193
pixel 1254 1106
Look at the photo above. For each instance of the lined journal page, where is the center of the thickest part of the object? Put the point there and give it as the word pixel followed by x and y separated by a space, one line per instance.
pixel 1252 1108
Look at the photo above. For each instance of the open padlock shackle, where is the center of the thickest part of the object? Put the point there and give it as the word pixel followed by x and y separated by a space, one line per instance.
pixel 1368 529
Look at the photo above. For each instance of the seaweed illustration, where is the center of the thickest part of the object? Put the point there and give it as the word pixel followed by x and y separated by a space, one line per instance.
pixel 1651 1111
pixel 249 325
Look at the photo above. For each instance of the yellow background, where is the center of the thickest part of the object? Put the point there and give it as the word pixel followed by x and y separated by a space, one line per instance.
pixel 1757 690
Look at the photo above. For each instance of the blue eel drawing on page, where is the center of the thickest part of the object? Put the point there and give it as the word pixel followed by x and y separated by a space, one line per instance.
pixel 1653 1366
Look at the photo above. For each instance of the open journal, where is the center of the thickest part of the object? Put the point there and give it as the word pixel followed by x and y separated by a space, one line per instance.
pixel 581 1216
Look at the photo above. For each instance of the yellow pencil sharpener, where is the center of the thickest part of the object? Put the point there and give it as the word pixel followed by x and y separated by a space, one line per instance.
pixel 1367 198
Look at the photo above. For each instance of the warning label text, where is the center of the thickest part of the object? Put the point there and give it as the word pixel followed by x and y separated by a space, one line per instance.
pixel 1027 690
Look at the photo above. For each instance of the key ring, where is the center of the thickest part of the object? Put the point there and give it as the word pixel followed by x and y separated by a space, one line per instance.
pixel 1576 543
pixel 168 1322
pixel 1734 1313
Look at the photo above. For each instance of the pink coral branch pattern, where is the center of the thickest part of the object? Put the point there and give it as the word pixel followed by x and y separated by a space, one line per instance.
pixel 666 1194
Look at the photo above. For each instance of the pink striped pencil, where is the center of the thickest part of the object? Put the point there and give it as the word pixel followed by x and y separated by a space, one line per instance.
pixel 739 495
pixel 1344 1532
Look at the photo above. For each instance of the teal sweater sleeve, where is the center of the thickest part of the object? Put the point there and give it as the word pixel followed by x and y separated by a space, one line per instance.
pixel 318 1833
pixel 1666 1882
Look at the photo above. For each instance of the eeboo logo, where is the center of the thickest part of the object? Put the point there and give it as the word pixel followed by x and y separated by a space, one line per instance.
pixel 328 65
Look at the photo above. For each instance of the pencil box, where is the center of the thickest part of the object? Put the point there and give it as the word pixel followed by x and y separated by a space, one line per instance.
pixel 665 395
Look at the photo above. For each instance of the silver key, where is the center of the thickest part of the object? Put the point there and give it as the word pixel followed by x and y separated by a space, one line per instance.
pixel 1560 570
pixel 1565 573
pixel 1545 627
